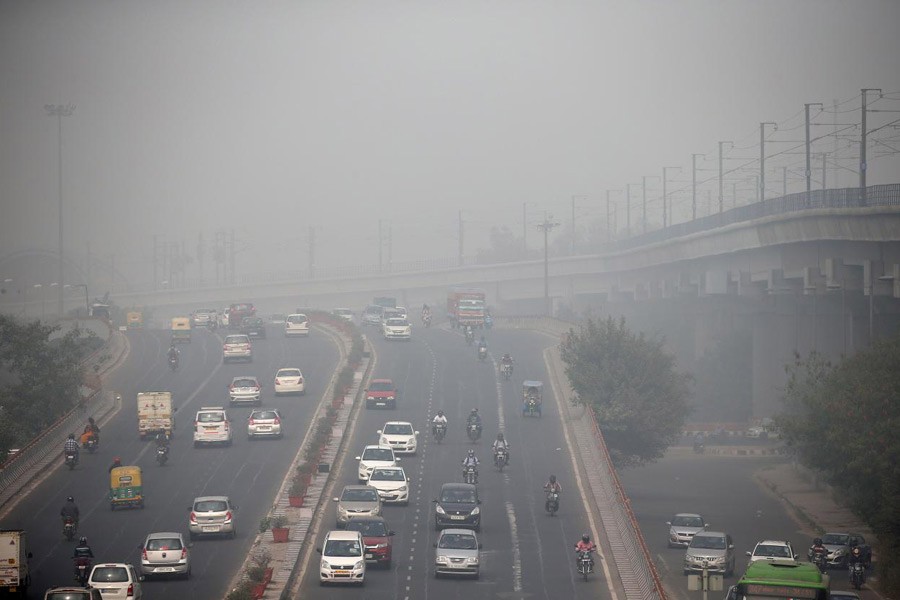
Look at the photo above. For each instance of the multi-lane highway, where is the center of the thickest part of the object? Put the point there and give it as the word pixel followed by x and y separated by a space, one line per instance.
pixel 247 471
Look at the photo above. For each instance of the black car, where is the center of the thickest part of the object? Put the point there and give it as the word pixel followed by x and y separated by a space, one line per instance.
pixel 457 506
pixel 253 327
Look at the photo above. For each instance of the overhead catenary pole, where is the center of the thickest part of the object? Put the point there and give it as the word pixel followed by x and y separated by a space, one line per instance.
pixel 312 252
pixel 721 176
pixel 762 158
pixel 232 257
pixel 380 246
pixel 694 185
pixel 573 225
pixel 784 181
pixel 460 239
pixel 628 209
pixel 808 144
pixel 665 196
pixel 524 230
pixel 863 201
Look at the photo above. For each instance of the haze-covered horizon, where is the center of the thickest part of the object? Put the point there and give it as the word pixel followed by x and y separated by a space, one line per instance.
pixel 271 118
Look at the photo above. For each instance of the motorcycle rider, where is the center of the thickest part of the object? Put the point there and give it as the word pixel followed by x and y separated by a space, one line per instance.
pixel 173 353
pixel 82 550
pixel 551 486
pixel 470 334
pixel 70 511
pixel 854 557
pixel 474 418
pixel 439 419
pixel 506 361
pixel 470 461
pixel 698 441
pixel 500 442
pixel 91 430
pixel 482 343
pixel 117 462
pixel 817 548
pixel 162 441
pixel 585 545
pixel 71 446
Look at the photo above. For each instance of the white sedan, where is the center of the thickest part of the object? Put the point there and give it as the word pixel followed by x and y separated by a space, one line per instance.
pixel 373 457
pixel 289 381
pixel 392 484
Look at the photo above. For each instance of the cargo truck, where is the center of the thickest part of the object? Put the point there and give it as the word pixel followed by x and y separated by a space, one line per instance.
pixel 465 306
pixel 155 413
pixel 14 556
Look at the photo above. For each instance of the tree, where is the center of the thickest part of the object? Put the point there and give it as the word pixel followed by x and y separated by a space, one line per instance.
pixel 842 419
pixel 44 377
pixel 631 384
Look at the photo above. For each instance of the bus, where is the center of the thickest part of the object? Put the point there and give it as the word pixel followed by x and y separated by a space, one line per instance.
pixel 781 580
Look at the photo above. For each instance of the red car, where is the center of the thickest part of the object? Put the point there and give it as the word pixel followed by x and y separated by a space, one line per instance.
pixel 237 312
pixel 382 393
pixel 377 538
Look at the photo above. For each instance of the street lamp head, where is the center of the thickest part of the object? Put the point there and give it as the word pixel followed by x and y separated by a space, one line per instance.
pixel 59 110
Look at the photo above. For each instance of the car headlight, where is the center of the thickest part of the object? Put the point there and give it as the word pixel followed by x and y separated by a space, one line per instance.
pixel 401 489
pixel 325 565
pixel 839 552
pixel 441 560
pixel 359 565
pixel 379 546
pixel 370 397
pixel 476 511
pixel 439 509
pixel 384 441
pixel 341 510
pixel 472 560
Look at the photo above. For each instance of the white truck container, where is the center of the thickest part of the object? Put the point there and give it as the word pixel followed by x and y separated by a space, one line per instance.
pixel 14 555
pixel 155 413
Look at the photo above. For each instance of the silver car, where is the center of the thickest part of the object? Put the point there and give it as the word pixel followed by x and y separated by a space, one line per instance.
pixel 457 552
pixel 357 501
pixel 212 515
pixel 245 388
pixel 264 423
pixel 237 347
pixel 683 527
pixel 165 553
pixel 710 550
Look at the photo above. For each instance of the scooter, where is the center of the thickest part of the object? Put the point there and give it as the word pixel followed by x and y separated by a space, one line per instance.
pixel 470 474
pixel 820 560
pixel 506 370
pixel 426 320
pixel 552 503
pixel 470 337
pixel 91 445
pixel 501 458
pixel 585 564
pixel 162 454
pixel 440 430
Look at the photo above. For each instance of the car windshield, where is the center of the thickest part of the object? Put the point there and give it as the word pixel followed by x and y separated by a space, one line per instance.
pixel 388 475
pixel 211 506
pixel 261 415
pixel 381 386
pixel 398 429
pixel 397 322
pixel 368 528
pixel 342 548
pixel 288 373
pixel 460 496
pixel 708 542
pixel 244 383
pixel 458 541
pixel 687 521
pixel 359 496
pixel 164 544
pixel 110 575
pixel 210 417
pixel 836 539
pixel 378 454
pixel 772 550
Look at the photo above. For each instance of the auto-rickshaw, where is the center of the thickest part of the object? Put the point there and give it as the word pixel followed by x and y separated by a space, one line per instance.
pixel 181 330
pixel 125 488
pixel 532 398
pixel 134 319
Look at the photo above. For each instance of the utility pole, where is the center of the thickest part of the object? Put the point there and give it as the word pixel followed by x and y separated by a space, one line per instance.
pixel 694 185
pixel 524 230
pixel 547 226
pixel 824 170
pixel 201 252
pixel 721 175
pixel 863 201
pixel 573 225
pixel 380 246
pixel 784 181
pixel 390 245
pixel 232 257
pixel 762 158
pixel 665 196
pixel 312 252
pixel 59 111
pixel 460 239
pixel 609 233
pixel 808 143
pixel 87 262
pixel 628 208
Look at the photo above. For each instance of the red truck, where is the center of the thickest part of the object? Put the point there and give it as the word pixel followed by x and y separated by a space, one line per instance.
pixel 237 312
pixel 465 306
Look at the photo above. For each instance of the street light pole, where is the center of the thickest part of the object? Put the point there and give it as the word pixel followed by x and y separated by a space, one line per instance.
pixel 547 226
pixel 862 148
pixel 60 111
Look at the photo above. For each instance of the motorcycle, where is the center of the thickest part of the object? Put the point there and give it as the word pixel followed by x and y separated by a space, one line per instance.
pixel 162 454
pixel 821 561
pixel 473 430
pixel 488 321
pixel 506 370
pixel 173 362
pixel 501 458
pixel 470 474
pixel 91 445
pixel 699 447
pixel 585 563
pixel 426 320
pixel 82 570
pixel 552 503
pixel 71 460
pixel 69 528
pixel 482 353
pixel 857 575
pixel 470 337
pixel 440 430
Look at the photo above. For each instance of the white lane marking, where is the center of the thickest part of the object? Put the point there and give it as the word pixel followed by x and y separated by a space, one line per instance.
pixel 516 551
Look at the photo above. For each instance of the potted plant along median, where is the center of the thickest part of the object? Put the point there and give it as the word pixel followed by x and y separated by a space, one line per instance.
pixel 280 530
pixel 297 491
pixel 259 573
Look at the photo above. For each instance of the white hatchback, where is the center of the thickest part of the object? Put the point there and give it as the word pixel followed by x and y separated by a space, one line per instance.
pixel 289 381
pixel 212 425
pixel 343 559
pixel 373 457
pixel 400 436
pixel 116 581
pixel 392 485
pixel 296 324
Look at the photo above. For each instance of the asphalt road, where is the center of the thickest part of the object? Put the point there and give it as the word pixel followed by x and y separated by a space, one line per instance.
pixel 249 472
pixel 526 553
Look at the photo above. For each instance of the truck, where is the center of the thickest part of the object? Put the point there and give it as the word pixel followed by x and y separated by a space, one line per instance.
pixel 155 413
pixel 385 301
pixel 14 557
pixel 466 306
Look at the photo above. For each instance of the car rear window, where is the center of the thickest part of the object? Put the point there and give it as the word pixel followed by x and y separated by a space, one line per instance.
pixel 244 382
pixel 261 415
pixel 211 506
pixel 378 454
pixel 164 544
pixel 110 574
pixel 297 319
pixel 211 417
pixel 237 339
pixel 288 373
pixel 359 496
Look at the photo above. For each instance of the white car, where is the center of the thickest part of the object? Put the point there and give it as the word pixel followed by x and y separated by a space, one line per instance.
pixel 165 553
pixel 373 457
pixel 772 550
pixel 211 425
pixel 396 328
pixel 343 313
pixel 400 436
pixel 116 580
pixel 683 527
pixel 245 389
pixel 392 484
pixel 296 324
pixel 343 559
pixel 264 423
pixel 289 381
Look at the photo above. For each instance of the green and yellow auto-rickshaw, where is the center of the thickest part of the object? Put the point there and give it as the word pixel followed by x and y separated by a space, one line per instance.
pixel 134 319
pixel 125 488
pixel 532 398
pixel 181 330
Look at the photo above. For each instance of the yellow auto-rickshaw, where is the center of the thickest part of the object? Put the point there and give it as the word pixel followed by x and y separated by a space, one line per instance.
pixel 134 320
pixel 125 488
pixel 181 330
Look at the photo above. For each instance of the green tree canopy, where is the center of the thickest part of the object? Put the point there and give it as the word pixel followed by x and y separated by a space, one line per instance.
pixel 631 383
pixel 843 419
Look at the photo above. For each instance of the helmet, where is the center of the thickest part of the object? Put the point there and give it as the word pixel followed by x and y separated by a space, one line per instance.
pixel 82 541
pixel 70 499
pixel 500 436
pixel 553 479
pixel 856 551
pixel 117 460
pixel 440 413
pixel 474 411
pixel 817 542
pixel 471 452
pixel 71 436
pixel 585 538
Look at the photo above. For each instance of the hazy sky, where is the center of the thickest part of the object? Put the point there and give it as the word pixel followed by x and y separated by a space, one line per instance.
pixel 270 117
